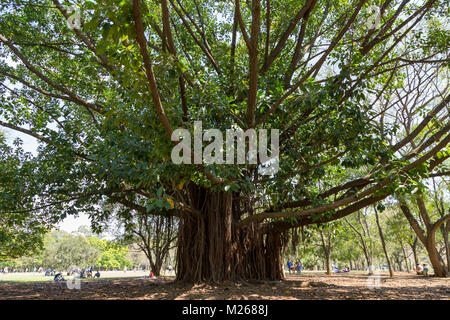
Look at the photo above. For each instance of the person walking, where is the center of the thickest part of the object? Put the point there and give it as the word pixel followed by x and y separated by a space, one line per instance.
pixel 289 265
pixel 299 266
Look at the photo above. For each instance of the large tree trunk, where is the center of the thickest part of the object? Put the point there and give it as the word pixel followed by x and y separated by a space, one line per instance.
pixel 427 238
pixel 438 264
pixel 211 247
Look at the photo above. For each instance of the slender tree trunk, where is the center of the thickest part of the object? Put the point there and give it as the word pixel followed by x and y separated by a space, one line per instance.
pixel 371 266
pixel 414 251
pixel 155 264
pixel 368 260
pixel 383 243
pixel 327 251
pixel 157 267
pixel 212 248
pixel 445 229
pixel 405 258
pixel 367 254
pixel 399 263
pixel 328 262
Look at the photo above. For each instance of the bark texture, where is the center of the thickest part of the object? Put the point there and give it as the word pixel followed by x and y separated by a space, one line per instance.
pixel 212 247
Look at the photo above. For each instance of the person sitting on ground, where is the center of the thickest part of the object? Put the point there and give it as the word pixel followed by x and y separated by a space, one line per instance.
pixel 97 274
pixel 152 275
pixel 58 277
pixel 419 269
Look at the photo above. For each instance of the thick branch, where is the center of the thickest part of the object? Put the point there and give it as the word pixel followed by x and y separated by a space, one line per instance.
pixel 142 42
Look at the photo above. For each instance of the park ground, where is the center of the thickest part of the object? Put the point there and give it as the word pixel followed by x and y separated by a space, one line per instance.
pixel 309 285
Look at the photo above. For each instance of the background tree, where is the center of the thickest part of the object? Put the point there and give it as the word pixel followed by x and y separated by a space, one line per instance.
pixel 420 83
pixel 426 231
pixel 110 255
pixel 327 235
pixel 439 191
pixel 363 227
pixel 63 251
pixel 383 243
pixel 155 235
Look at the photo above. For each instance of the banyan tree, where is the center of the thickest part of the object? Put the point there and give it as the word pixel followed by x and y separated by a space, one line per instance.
pixel 103 85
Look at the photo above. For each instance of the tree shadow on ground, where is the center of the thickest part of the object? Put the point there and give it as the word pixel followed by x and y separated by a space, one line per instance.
pixel 310 287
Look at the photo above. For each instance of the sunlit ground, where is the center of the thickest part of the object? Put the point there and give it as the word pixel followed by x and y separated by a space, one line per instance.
pixel 39 277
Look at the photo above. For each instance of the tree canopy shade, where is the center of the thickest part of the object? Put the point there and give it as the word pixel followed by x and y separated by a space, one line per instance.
pixel 103 100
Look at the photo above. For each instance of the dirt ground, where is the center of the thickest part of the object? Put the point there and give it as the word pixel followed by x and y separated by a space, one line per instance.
pixel 305 286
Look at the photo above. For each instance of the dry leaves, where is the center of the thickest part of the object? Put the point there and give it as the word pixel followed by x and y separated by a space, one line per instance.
pixel 307 286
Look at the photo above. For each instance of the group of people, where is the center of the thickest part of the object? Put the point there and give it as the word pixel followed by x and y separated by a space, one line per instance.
pixel 89 273
pixel 49 272
pixel 294 267
pixel 344 269
pixel 81 273
pixel 58 277
pixel 6 270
